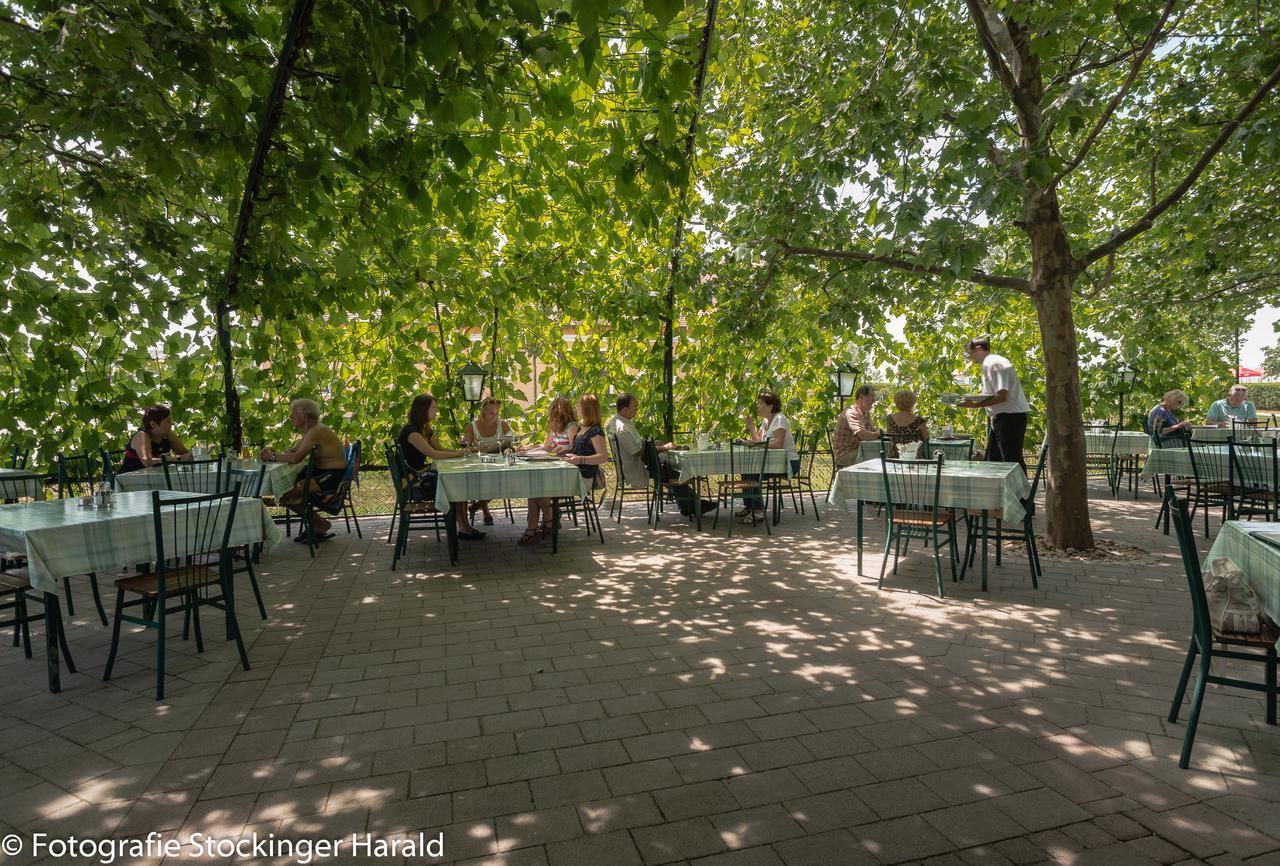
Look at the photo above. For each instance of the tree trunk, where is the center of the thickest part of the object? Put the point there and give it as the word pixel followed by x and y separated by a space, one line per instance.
pixel 1066 483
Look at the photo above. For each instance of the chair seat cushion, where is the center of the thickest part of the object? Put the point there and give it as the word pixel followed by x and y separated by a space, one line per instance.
pixel 1266 638
pixel 11 582
pixel 925 518
pixel 175 580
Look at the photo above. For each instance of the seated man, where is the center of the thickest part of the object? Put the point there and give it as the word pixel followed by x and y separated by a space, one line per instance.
pixel 853 427
pixel 631 454
pixel 326 474
pixel 1234 408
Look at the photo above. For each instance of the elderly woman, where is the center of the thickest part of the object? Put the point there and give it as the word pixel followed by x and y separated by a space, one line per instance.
pixel 775 429
pixel 904 425
pixel 1162 425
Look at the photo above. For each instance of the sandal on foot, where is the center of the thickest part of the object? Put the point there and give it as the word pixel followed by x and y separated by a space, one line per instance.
pixel 529 537
pixel 488 520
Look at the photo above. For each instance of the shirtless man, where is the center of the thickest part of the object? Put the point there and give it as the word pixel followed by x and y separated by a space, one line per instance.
pixel 330 464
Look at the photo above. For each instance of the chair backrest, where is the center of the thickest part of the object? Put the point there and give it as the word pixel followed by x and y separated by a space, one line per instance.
pixel 911 485
pixel 17 486
pixel 111 461
pixel 807 445
pixel 888 447
pixel 1205 453
pixel 395 467
pixel 75 475
pixel 740 462
pixel 1100 439
pixel 1029 505
pixel 308 472
pixel 617 453
pixel 247 482
pixel 343 493
pixel 189 528
pixel 1254 468
pixel 193 476
pixel 959 448
pixel 652 463
pixel 1202 629
pixel 1260 424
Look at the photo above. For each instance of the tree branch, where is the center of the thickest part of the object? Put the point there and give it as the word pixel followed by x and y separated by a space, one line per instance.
pixel 1123 236
pixel 1152 38
pixel 900 262
pixel 978 12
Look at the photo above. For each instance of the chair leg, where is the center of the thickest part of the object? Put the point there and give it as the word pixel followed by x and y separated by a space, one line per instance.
pixel 62 638
pixel 71 601
pixel 253 582
pixel 160 623
pixel 193 607
pixel 1193 718
pixel 391 530
pixel 999 540
pixel 937 562
pixel 1182 681
pixel 884 560
pixel 23 622
pixel 115 636
pixel 97 597
pixel 1271 685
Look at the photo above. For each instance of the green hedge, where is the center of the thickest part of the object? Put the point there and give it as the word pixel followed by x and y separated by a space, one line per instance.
pixel 1264 395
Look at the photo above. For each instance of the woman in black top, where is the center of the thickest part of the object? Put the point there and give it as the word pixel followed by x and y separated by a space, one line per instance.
pixel 419 447
pixel 588 449
pixel 154 441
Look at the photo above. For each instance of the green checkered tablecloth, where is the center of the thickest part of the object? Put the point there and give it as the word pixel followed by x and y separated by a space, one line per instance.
pixel 699 464
pixel 61 539
pixel 869 450
pixel 974 485
pixel 31 488
pixel 279 479
pixel 1214 462
pixel 467 479
pixel 1128 443
pixel 1259 561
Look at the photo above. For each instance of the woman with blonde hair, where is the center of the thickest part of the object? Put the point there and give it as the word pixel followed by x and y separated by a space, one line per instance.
pixel 904 425
pixel 487 433
pixel 562 426
pixel 1161 422
pixel 587 451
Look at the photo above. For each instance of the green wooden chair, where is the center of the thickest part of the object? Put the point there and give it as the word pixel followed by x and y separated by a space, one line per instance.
pixel 661 491
pixel 1025 533
pixel 911 490
pixel 750 486
pixel 1100 457
pixel 1204 637
pixel 193 476
pixel 76 477
pixel 800 485
pixel 959 448
pixel 248 484
pixel 193 570
pixel 1206 492
pixel 1255 480
pixel 622 492
pixel 409 511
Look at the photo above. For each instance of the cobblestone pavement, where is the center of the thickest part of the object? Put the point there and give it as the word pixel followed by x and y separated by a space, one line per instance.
pixel 667 696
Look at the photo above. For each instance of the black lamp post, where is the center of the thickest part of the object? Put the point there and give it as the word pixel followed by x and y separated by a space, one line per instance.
pixel 472 377
pixel 845 377
pixel 1122 379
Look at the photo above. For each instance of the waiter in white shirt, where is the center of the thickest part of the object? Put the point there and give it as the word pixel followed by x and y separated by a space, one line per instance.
pixel 1003 398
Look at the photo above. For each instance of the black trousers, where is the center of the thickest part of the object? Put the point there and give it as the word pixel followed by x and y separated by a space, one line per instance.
pixel 1008 434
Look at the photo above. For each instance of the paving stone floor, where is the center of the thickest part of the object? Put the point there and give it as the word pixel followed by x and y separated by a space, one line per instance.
pixel 667 696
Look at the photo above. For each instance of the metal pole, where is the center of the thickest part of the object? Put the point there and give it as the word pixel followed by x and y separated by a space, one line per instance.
pixel 1121 424
pixel 1237 356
